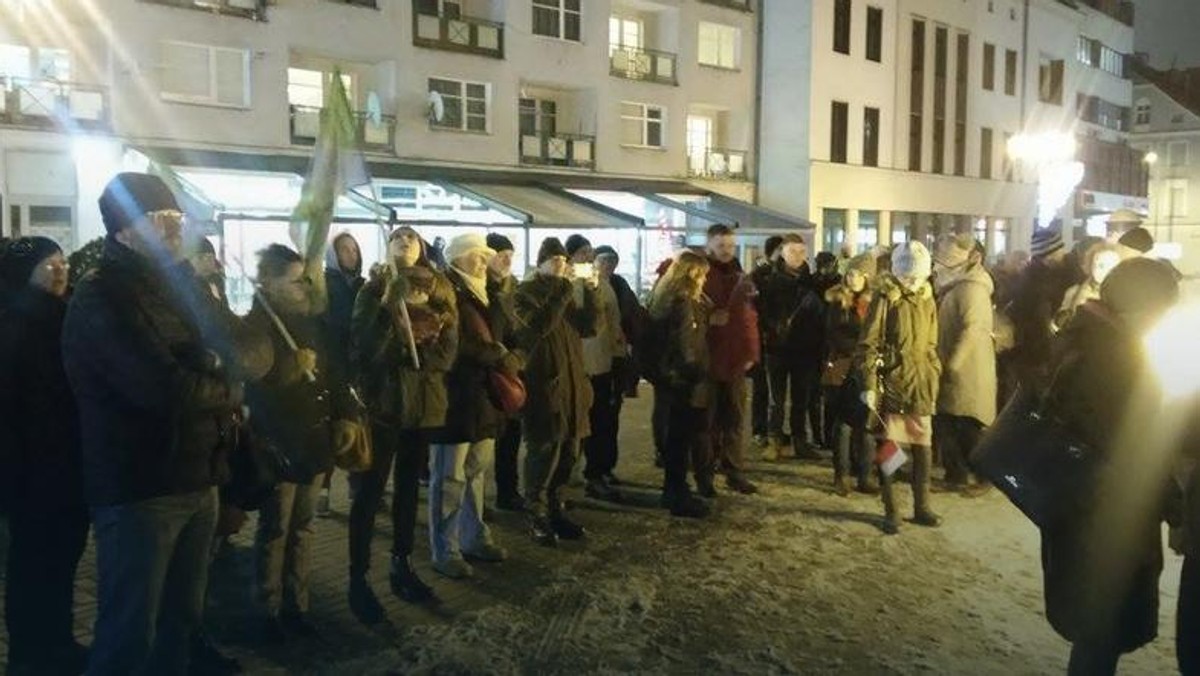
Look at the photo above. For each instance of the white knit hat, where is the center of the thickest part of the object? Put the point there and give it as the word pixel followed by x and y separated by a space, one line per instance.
pixel 465 244
pixel 911 260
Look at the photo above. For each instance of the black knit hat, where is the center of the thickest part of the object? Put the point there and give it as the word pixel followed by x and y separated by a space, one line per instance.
pixel 575 243
pixel 129 196
pixel 606 250
pixel 22 256
pixel 497 242
pixel 551 247
pixel 1139 285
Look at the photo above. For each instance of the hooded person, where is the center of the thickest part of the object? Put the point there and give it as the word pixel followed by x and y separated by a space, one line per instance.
pixel 405 339
pixel 967 395
pixel 848 304
pixel 502 283
pixel 555 311
pixel 1102 559
pixel 41 467
pixel 901 372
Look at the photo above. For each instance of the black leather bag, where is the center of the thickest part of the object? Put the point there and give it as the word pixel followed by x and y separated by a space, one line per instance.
pixel 1039 464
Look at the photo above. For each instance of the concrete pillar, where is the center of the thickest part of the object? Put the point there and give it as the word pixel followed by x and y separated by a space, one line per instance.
pixel 851 230
pixel 885 227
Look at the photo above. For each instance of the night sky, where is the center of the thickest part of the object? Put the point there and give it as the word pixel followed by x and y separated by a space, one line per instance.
pixel 1167 31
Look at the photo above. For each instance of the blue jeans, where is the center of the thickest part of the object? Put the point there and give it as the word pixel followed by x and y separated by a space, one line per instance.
pixel 457 478
pixel 152 568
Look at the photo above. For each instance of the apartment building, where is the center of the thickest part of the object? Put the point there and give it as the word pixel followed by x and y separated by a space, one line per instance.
pixel 911 105
pixel 1166 128
pixel 632 119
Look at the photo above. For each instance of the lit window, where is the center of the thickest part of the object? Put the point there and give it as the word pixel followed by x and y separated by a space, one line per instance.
pixel 642 125
pixel 464 104
pixel 624 34
pixel 719 45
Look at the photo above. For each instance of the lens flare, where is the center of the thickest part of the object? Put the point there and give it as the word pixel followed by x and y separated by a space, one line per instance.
pixel 1169 346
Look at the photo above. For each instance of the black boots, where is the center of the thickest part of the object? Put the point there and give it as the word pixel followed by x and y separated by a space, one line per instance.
pixel 363 602
pixel 406 584
pixel 923 514
pixel 564 528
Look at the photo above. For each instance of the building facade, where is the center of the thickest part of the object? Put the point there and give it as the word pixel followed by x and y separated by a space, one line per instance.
pixel 1166 128
pixel 912 104
pixel 452 96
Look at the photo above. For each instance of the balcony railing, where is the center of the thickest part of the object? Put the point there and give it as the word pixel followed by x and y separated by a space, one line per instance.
pixel 717 163
pixel 649 65
pixel 247 9
pixel 743 5
pixel 372 136
pixel 50 103
pixel 559 150
pixel 458 33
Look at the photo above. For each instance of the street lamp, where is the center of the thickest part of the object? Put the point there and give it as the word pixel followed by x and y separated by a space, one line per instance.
pixel 1150 158
pixel 1052 155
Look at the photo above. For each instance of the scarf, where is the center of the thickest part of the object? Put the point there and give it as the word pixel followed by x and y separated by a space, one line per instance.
pixel 477 286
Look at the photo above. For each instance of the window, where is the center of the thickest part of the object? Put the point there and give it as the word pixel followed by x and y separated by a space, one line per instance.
pixel 1006 162
pixel 841 26
pixel 719 45
pixel 1142 112
pixel 916 117
pixel 538 117
pixel 1177 199
pixel 833 222
pixel 307 87
pixel 1112 61
pixel 699 142
pixel 1083 50
pixel 870 137
pixel 464 104
pixel 624 34
pixel 941 54
pixel 44 63
pixel 1050 81
pixel 1010 72
pixel 1178 154
pixel 960 104
pixel 989 67
pixel 642 125
pixel 838 130
pixel 868 230
pixel 205 75
pixel 874 34
pixel 1098 111
pixel 558 19
pixel 15 61
pixel 986 147
pixel 443 8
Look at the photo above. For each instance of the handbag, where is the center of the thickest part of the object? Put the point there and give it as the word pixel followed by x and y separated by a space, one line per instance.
pixel 352 444
pixel 1035 460
pixel 835 371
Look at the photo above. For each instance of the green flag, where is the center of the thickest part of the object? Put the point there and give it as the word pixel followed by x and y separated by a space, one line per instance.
pixel 337 166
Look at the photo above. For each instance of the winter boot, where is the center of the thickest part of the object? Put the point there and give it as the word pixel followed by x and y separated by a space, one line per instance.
pixel 739 483
pixel 922 470
pixel 783 448
pixel 406 584
pixel 705 487
pixel 564 528
pixel 688 506
pixel 804 450
pixel 541 529
pixel 363 602
pixel 891 517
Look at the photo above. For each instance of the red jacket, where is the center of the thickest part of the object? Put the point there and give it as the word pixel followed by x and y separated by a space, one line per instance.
pixel 735 344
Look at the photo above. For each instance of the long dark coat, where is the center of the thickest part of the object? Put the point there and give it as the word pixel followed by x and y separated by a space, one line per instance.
pixel 1101 565
pixel 471 415
pixel 550 331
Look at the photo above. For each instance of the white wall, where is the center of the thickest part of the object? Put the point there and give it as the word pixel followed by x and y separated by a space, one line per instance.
pixel 788 59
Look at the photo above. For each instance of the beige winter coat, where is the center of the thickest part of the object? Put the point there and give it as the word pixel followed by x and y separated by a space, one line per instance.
pixel 966 347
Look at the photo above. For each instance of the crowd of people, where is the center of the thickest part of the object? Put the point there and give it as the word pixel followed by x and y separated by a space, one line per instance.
pixel 137 405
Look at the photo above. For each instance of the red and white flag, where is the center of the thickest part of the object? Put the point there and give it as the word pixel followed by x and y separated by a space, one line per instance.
pixel 889 457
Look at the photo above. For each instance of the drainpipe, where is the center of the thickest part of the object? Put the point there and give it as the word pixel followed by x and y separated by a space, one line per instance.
pixel 1024 65
pixel 756 141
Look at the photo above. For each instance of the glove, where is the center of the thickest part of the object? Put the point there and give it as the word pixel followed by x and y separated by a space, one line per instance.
pixel 870 400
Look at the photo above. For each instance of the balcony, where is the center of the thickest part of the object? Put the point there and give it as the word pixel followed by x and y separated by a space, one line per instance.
pixel 52 104
pixel 717 163
pixel 457 33
pixel 743 5
pixel 559 150
pixel 380 137
pixel 246 9
pixel 647 65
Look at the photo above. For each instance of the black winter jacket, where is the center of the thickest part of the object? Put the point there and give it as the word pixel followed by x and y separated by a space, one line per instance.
pixel 792 314
pixel 157 403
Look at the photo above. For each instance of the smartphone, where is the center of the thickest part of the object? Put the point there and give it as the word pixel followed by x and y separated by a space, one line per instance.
pixel 584 271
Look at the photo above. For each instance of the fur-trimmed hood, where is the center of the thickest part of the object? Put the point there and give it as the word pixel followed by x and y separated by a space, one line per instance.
pixel 843 297
pixel 888 286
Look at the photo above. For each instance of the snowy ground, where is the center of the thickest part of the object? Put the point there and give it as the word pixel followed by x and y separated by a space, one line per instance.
pixel 796 580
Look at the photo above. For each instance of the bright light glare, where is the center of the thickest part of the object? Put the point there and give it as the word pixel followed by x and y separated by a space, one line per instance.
pixel 1056 186
pixel 1150 157
pixel 1170 346
pixel 1043 148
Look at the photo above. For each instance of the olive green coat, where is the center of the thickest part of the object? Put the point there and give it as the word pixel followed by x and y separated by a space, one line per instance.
pixel 550 331
pixel 396 392
pixel 899 349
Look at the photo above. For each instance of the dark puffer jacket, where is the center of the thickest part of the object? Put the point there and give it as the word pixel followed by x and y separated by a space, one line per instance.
pixel 39 422
pixel 157 411
pixel 792 314
pixel 899 348
pixel 471 415
pixel 550 331
pixel 682 326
